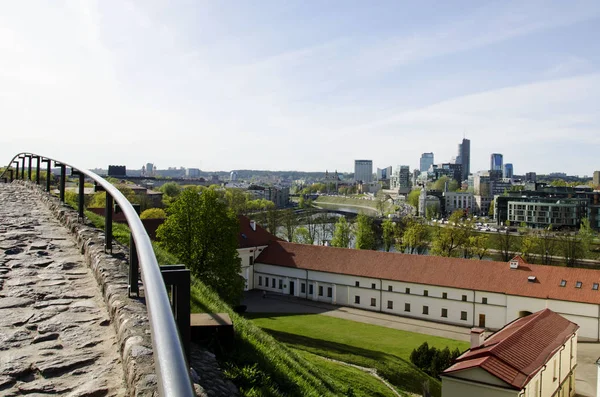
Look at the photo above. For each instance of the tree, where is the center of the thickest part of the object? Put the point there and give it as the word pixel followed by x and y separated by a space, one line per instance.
pixel 202 232
pixel 432 212
pixel 342 233
pixel 476 246
pixel 491 210
pixel 586 234
pixel 272 220
pixel 237 200
pixel 170 191
pixel 413 198
pixel 448 239
pixel 415 238
pixel 388 234
pixel 503 240
pixel 289 222
pixel 365 235
pixel 303 236
pixel 528 246
pixel 545 245
pixel 153 213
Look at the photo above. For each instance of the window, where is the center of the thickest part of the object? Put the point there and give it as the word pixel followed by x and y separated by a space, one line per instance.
pixel 563 283
pixel 484 301
pixel 425 293
pixel 407 307
pixel 251 260
pixel 444 312
pixel 578 284
pixel 444 295
pixel 259 280
pixel 272 283
pixel 357 299
pixel 390 305
pixel 320 290
pixel 425 309
pixel 373 302
pixel 310 289
pixel 329 292
pixel 280 284
pixel 303 288
pixel 390 288
pixel 357 284
pixel 595 286
pixel 463 316
pixel 407 290
pixel 266 281
pixel 464 298
pixel 554 370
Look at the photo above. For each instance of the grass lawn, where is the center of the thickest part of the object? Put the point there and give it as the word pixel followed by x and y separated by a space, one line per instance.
pixel 386 349
pixel 359 382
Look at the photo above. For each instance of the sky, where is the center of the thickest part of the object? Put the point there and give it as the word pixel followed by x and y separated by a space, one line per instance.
pixel 301 85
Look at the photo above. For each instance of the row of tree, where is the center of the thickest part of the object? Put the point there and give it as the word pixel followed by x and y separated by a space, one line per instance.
pixel 432 360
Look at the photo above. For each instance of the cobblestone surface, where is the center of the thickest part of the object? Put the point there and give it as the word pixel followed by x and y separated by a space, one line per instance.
pixel 206 372
pixel 55 333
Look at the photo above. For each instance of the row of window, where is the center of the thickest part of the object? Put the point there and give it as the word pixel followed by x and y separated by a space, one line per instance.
pixel 273 282
pixel 302 286
pixel 425 292
pixel 578 284
pixel 390 305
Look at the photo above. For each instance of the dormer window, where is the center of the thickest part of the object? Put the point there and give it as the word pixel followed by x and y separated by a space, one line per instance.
pixel 531 279
pixel 563 283
pixel 578 284
pixel 595 286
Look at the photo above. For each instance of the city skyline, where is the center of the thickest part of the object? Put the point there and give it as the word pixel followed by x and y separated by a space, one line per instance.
pixel 302 86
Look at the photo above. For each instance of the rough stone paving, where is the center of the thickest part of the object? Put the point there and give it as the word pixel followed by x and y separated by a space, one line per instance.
pixel 55 331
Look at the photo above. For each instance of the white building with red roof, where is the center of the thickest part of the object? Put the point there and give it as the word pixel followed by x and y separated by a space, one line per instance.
pixel 534 356
pixel 465 292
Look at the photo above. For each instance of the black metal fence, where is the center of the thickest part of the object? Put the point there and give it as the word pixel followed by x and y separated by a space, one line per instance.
pixel 169 321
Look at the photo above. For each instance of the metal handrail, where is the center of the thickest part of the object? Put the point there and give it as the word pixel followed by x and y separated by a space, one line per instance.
pixel 172 370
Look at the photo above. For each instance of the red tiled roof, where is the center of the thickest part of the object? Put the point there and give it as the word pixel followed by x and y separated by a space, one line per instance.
pixel 519 350
pixel 253 238
pixel 435 270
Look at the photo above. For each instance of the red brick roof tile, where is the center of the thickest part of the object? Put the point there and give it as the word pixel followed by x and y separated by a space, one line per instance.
pixel 470 274
pixel 519 350
pixel 253 238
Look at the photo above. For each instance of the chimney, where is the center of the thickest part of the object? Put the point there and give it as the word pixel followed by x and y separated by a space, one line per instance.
pixel 477 337
pixel 253 225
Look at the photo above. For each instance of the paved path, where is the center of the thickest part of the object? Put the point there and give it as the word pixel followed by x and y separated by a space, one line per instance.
pixel 587 353
pixel 55 333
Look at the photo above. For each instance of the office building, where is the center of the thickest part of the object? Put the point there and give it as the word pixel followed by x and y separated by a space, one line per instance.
pixel 496 162
pixel 401 179
pixel 384 173
pixel 531 177
pixel 426 161
pixel 464 158
pixel 363 171
pixel 508 170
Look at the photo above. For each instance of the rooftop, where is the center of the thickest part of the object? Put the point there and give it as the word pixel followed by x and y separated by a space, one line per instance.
pixel 519 350
pixel 551 282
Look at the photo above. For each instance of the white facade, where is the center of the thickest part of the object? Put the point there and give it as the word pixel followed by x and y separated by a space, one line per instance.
pixel 555 379
pixel 465 307
pixel 459 201
pixel 247 256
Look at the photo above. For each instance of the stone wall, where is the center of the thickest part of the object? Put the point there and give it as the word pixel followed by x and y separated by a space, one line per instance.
pixel 128 315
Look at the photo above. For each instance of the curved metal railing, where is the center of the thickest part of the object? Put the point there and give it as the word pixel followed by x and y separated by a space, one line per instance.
pixel 169 355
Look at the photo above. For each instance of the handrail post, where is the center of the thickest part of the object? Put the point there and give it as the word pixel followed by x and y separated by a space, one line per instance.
pixel 10 172
pixel 134 271
pixel 81 195
pixel 37 170
pixel 63 180
pixel 29 166
pixel 108 212
pixel 17 169
pixel 48 173
pixel 22 168
pixel 178 277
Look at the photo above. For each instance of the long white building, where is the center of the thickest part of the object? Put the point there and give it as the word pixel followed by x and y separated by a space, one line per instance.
pixel 457 291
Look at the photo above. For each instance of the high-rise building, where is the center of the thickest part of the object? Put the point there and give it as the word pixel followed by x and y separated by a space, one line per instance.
pixel 596 178
pixel 464 158
pixel 508 170
pixel 531 177
pixel 426 161
pixel 384 173
pixel 363 170
pixel 496 162
pixel 401 179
